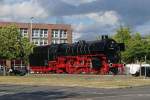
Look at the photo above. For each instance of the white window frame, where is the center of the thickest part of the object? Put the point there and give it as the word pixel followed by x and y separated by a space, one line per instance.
pixel 36 41
pixel 45 42
pixel 53 41
pixel 63 34
pixel 24 32
pixel 55 33
pixel 43 33
pixel 35 33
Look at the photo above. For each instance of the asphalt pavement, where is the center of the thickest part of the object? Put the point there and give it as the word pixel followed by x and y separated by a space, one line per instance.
pixel 22 92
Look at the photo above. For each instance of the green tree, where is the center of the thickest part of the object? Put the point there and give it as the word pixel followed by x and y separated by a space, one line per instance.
pixel 136 47
pixel 25 49
pixel 13 45
pixel 123 34
pixel 9 42
pixel 147 42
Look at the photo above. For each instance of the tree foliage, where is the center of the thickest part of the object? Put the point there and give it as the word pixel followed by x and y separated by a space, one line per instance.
pixel 13 45
pixel 26 49
pixel 123 35
pixel 137 47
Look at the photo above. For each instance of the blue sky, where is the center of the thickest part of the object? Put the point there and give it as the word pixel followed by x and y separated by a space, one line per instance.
pixel 88 18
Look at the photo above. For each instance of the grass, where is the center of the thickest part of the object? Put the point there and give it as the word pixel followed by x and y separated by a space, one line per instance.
pixel 94 81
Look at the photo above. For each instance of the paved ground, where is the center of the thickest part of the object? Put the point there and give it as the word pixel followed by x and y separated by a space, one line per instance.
pixel 18 92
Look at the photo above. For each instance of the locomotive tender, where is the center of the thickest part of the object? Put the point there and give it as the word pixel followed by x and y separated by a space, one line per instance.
pixel 99 57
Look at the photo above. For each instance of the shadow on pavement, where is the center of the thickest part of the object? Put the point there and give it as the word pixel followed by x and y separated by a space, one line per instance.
pixel 40 95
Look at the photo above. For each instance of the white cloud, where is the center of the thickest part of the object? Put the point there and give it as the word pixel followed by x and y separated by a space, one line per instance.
pixel 25 9
pixel 108 17
pixel 103 23
pixel 103 18
pixel 77 2
pixel 6 19
pixel 77 31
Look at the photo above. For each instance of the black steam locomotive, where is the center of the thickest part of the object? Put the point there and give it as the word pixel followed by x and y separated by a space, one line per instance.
pixel 100 56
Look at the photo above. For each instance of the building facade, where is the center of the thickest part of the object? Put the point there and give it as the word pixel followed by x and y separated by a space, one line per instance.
pixel 44 34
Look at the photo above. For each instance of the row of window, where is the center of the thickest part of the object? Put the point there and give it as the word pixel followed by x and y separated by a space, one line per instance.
pixel 56 41
pixel 59 33
pixel 43 33
pixel 45 42
pixel 40 42
pixel 36 33
pixel 39 36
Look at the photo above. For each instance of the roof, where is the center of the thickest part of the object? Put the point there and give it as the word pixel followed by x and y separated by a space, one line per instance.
pixel 37 25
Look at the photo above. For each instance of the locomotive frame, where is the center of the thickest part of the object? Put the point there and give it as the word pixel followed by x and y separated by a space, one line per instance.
pixel 98 57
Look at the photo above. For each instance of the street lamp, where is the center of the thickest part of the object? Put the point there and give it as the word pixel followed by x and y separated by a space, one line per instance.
pixel 31 21
pixel 30 39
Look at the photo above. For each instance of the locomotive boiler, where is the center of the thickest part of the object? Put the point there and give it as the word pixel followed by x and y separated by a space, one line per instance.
pixel 99 57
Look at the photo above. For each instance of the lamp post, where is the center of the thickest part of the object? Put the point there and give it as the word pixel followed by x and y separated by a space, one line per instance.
pixel 30 39
pixel 31 21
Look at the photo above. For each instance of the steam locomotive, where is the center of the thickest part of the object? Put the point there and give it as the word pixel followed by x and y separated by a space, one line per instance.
pixel 99 57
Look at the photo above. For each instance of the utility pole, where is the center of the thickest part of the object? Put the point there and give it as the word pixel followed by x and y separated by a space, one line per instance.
pixel 30 39
pixel 31 21
pixel 145 59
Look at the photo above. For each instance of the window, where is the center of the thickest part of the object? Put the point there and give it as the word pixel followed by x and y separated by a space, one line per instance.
pixel 59 36
pixel 36 41
pixel 44 33
pixel 61 41
pixel 55 41
pixel 59 33
pixel 55 33
pixel 44 42
pixel 65 41
pixel 41 42
pixel 63 34
pixel 35 33
pixel 24 32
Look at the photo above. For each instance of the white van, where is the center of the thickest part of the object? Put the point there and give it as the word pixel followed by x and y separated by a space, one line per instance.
pixel 137 69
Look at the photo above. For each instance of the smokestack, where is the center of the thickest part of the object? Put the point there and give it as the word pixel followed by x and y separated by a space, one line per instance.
pixel 104 37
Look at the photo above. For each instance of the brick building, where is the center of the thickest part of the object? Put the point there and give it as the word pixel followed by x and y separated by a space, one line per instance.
pixel 43 34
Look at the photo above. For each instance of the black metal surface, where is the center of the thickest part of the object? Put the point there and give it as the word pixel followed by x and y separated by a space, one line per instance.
pixel 42 54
